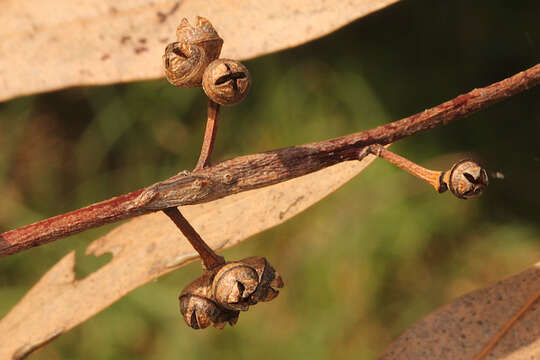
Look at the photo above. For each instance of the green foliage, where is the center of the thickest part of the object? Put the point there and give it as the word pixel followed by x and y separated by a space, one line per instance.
pixel 359 267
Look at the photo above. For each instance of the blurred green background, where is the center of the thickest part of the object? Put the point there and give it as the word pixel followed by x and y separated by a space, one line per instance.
pixel 363 264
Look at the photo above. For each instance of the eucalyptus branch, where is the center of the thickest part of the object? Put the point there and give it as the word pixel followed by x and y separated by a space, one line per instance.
pixel 259 170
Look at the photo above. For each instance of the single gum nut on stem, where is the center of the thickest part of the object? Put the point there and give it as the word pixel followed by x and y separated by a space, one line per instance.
pixel 467 179
pixel 226 81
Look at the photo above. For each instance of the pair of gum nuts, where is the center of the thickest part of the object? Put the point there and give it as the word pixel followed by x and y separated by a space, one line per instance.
pixel 193 61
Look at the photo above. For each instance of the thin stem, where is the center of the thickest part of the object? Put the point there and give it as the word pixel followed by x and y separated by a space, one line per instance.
pixel 259 170
pixel 209 258
pixel 209 135
pixel 430 176
pixel 485 351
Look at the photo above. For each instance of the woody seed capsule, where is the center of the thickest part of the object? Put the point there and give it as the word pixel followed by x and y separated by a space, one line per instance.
pixel 226 81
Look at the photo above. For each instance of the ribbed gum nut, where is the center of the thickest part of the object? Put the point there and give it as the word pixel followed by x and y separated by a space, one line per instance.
pixel 269 279
pixel 185 61
pixel 198 308
pixel 198 312
pixel 233 286
pixel 183 64
pixel 201 32
pixel 226 81
pixel 467 179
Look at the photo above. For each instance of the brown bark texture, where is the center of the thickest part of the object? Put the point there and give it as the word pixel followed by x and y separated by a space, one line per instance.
pixel 259 170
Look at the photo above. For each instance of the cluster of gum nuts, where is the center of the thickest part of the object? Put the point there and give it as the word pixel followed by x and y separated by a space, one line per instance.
pixel 226 288
pixel 193 61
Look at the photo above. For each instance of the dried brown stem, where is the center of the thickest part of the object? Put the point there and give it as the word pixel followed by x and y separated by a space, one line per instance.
pixel 209 136
pixel 259 170
pixel 209 258
pixel 430 176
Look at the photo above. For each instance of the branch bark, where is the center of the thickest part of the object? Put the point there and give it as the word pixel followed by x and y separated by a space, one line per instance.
pixel 259 170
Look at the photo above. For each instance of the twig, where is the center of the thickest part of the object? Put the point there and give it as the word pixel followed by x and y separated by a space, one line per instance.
pixel 466 179
pixel 434 178
pixel 209 136
pixel 209 258
pixel 259 170
pixel 485 351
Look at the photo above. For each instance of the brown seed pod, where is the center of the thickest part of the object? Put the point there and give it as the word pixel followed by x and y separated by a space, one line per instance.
pixel 200 310
pixel 185 61
pixel 467 179
pixel 217 297
pixel 237 285
pixel 234 284
pixel 269 279
pixel 226 81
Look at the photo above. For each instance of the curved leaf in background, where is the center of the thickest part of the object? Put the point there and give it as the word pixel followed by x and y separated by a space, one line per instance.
pixel 461 329
pixel 150 246
pixel 49 45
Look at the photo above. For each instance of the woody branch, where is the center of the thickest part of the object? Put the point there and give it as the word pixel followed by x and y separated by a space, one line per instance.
pixel 259 170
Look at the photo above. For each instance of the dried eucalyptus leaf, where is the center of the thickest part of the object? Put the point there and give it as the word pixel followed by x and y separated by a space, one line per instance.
pixel 461 329
pixel 49 45
pixel 150 246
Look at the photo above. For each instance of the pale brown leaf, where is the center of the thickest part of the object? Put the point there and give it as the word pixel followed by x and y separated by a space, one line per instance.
pixel 461 329
pixel 150 246
pixel 48 45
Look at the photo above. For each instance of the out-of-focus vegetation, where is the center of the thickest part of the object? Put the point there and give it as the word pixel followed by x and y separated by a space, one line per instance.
pixel 360 266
